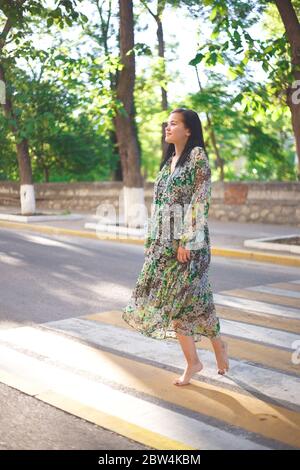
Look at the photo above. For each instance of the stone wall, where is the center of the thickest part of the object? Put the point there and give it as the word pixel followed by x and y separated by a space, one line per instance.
pixel 273 202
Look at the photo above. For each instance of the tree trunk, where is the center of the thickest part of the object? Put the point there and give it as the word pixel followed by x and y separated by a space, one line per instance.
pixel 133 190
pixel 161 53
pixel 164 96
pixel 27 196
pixel 292 28
pixel 118 174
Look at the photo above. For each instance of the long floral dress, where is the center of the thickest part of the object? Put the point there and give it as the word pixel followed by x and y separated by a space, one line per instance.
pixel 170 296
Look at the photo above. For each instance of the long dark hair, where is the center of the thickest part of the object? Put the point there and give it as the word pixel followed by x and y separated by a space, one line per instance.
pixel 192 122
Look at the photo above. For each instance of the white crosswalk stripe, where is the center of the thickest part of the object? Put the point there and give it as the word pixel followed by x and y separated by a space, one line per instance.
pixel 256 306
pixel 276 291
pixel 263 381
pixel 259 333
pixel 107 369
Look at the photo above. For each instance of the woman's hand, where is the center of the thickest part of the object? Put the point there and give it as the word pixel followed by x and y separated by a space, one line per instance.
pixel 183 255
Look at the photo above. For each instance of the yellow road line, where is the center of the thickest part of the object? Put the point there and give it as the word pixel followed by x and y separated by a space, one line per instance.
pixel 234 408
pixel 113 423
pixel 264 297
pixel 286 285
pixel 64 231
pixel 110 422
pixel 256 256
pixel 262 319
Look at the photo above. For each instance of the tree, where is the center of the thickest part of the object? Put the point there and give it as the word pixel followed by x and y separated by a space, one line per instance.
pixel 125 120
pixel 254 145
pixel 101 32
pixel 292 28
pixel 26 189
pixel 279 56
pixel 212 133
pixel 15 20
pixel 161 54
pixel 157 15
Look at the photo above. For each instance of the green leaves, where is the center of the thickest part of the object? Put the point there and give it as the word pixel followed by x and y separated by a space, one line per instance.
pixel 198 59
pixel 50 22
pixel 142 49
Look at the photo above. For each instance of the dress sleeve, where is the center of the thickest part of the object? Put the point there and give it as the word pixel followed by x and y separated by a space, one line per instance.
pixel 196 214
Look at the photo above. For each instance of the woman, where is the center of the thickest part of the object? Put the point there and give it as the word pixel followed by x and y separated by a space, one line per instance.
pixel 173 296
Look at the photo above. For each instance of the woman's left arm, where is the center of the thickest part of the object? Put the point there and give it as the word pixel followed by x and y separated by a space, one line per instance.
pixel 195 217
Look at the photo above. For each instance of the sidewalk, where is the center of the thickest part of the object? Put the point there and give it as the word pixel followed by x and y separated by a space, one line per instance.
pixel 227 238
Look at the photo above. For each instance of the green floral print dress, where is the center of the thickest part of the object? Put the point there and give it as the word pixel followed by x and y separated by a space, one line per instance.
pixel 171 296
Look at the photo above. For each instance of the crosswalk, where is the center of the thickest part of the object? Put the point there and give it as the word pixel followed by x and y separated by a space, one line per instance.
pixel 98 368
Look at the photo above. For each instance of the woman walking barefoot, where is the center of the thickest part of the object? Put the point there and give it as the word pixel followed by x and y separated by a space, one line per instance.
pixel 173 296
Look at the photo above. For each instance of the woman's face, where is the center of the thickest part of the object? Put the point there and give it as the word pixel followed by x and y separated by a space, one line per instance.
pixel 176 132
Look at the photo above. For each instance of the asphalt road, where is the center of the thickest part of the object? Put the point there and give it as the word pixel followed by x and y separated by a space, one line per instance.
pixel 46 278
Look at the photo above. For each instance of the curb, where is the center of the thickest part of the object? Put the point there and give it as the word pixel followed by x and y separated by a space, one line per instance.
pixel 257 256
pixel 217 251
pixel 67 231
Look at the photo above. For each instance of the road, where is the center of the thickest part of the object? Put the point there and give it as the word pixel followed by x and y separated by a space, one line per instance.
pixel 61 334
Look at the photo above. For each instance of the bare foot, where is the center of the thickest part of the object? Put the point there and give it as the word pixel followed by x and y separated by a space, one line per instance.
pixel 185 378
pixel 222 359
